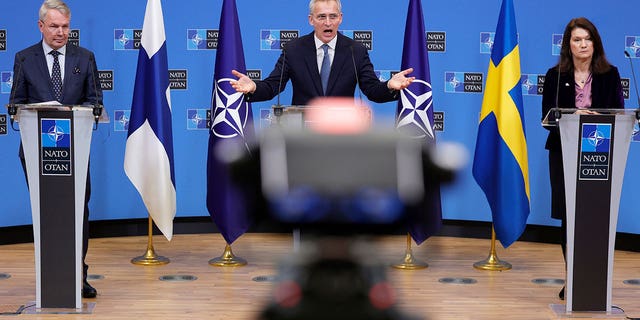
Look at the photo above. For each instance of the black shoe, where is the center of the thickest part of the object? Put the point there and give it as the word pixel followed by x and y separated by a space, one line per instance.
pixel 88 291
pixel 561 294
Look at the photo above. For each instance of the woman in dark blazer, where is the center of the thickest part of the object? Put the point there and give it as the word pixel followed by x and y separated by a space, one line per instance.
pixel 587 82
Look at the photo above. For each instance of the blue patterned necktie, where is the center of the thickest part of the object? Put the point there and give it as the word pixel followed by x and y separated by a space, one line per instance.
pixel 325 69
pixel 56 75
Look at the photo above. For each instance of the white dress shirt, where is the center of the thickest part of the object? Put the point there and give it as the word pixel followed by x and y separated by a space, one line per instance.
pixel 320 51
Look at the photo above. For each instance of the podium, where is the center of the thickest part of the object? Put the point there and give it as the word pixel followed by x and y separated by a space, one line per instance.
pixel 333 111
pixel 56 141
pixel 322 115
pixel 594 152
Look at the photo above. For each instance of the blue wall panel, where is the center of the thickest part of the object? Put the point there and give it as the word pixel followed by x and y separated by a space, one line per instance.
pixel 462 20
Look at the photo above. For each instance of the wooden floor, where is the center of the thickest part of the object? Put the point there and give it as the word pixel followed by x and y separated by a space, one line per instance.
pixel 129 291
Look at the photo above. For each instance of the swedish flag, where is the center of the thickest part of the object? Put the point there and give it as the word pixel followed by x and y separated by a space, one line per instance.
pixel 500 163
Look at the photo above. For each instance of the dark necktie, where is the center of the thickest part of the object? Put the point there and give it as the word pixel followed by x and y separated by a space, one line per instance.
pixel 325 69
pixel 56 75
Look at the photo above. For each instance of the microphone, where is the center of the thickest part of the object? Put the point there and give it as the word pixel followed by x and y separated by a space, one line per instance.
pixel 278 109
pixel 635 83
pixel 557 113
pixel 97 105
pixel 11 107
pixel 355 71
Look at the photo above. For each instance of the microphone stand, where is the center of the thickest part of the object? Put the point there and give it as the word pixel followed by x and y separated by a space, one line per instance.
pixel 11 107
pixel 635 85
pixel 97 111
pixel 278 109
pixel 97 107
pixel 12 110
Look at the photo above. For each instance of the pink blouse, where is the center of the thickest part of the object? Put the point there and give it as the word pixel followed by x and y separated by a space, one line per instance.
pixel 583 95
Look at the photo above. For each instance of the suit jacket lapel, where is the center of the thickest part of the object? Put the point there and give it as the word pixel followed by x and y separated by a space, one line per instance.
pixel 311 62
pixel 341 55
pixel 41 57
pixel 70 67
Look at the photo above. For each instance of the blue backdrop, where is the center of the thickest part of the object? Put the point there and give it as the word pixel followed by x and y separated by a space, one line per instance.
pixel 460 33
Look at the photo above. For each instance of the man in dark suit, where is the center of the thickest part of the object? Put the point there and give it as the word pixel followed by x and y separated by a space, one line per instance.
pixel 323 63
pixel 54 70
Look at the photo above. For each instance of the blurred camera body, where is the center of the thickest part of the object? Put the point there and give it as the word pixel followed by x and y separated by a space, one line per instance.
pixel 361 183
pixel 333 278
pixel 337 188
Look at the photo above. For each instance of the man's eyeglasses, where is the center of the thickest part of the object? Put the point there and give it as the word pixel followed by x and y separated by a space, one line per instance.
pixel 331 17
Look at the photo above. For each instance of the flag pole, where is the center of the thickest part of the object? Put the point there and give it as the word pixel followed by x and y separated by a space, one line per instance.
pixel 409 262
pixel 150 258
pixel 227 259
pixel 492 263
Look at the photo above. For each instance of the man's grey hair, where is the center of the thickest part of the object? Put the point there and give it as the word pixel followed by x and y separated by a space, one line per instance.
pixel 55 5
pixel 312 3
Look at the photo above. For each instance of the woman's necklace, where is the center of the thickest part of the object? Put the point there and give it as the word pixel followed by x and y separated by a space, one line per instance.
pixel 582 78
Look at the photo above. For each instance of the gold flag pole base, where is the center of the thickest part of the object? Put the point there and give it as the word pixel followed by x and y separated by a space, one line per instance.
pixel 227 259
pixel 409 262
pixel 150 258
pixel 492 263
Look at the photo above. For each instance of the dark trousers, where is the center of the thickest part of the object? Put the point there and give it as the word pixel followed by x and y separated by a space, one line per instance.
pixel 85 219
pixel 558 200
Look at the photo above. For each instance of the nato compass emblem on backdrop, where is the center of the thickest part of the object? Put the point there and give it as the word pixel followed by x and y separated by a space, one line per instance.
pixel 486 42
pixel 632 46
pixel 202 39
pixel 463 82
pixel 7 81
pixel 276 39
pixel 417 101
pixel 556 44
pixel 452 82
pixel 635 136
pixel 532 84
pixel 231 111
pixel 197 119
pixel 126 39
pixel 123 39
pixel 121 122
pixel 384 75
pixel 266 118
pixel 196 39
pixel 269 39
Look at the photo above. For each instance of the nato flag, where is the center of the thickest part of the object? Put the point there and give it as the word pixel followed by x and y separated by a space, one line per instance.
pixel 415 114
pixel 231 122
